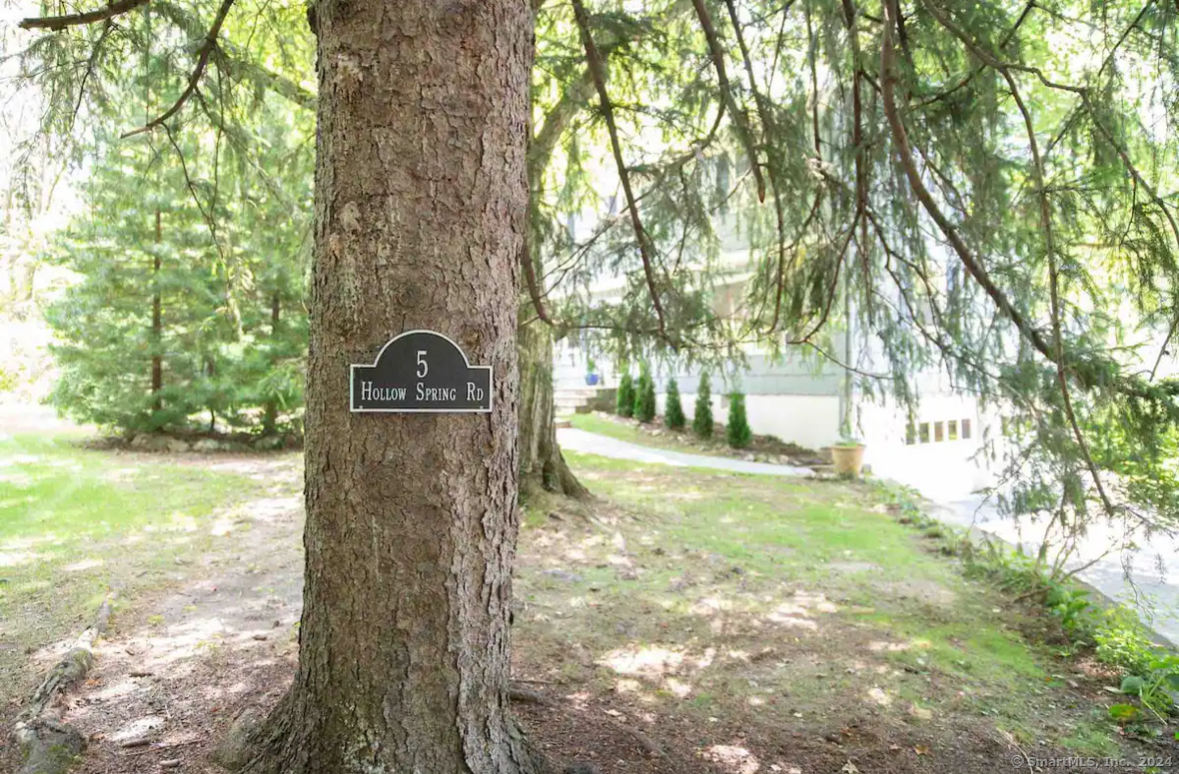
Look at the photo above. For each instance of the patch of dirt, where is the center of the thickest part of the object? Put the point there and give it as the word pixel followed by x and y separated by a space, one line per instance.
pixel 175 661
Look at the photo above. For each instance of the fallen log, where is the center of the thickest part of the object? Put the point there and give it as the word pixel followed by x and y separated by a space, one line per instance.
pixel 48 745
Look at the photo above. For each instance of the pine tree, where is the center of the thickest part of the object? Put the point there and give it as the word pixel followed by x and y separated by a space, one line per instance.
pixel 738 431
pixel 135 334
pixel 626 396
pixel 702 420
pixel 673 413
pixel 645 396
pixel 188 313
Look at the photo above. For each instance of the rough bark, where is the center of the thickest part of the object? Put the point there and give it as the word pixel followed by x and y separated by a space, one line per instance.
pixel 542 465
pixel 270 416
pixel 157 326
pixel 411 518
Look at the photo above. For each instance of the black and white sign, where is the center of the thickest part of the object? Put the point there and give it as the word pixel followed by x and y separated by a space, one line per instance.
pixel 421 371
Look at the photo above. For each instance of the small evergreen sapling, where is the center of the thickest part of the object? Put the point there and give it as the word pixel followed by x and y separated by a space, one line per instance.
pixel 645 397
pixel 673 414
pixel 626 396
pixel 739 433
pixel 702 420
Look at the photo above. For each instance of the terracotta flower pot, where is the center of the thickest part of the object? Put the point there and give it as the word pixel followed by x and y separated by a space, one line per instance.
pixel 848 459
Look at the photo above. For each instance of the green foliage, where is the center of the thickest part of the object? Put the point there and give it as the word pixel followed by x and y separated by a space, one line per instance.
pixel 190 261
pixel 1148 671
pixel 644 409
pixel 1121 642
pixel 1123 713
pixel 673 412
pixel 702 419
pixel 1094 258
pixel 1087 263
pixel 626 396
pixel 1071 605
pixel 738 431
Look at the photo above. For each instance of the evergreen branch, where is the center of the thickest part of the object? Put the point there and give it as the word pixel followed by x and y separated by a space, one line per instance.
pixel 594 62
pixel 739 119
pixel 537 157
pixel 205 214
pixel 813 57
pixel 831 291
pixel 90 63
pixel 1166 342
pixel 1056 353
pixel 768 124
pixel 979 68
pixel 59 23
pixel 237 59
pixel 850 12
pixel 541 145
pixel 1005 69
pixel 205 52
pixel 277 83
pixel 866 374
pixel 1054 286
pixel 905 153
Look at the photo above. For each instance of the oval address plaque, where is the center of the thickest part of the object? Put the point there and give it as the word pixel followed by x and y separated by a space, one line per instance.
pixel 421 371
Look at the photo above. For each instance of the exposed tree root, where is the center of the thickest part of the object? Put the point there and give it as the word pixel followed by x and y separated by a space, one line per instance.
pixel 261 744
pixel 48 745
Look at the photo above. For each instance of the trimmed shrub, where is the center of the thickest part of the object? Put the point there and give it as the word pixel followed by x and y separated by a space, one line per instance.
pixel 702 420
pixel 645 397
pixel 626 396
pixel 673 413
pixel 738 432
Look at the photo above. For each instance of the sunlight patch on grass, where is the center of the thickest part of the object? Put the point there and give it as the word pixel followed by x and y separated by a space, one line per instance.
pixel 67 512
pixel 807 595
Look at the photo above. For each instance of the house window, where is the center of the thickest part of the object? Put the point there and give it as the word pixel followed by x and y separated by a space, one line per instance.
pixel 939 432
pixel 923 432
pixel 952 428
pixel 965 428
pixel 910 434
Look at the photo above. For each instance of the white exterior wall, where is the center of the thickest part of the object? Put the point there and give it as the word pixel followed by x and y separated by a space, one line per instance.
pixel 946 468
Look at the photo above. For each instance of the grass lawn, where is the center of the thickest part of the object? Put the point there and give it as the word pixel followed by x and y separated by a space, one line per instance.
pixel 77 523
pixel 738 624
pixel 796 622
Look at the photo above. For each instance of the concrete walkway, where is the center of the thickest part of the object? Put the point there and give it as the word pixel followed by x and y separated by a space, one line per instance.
pixel 605 446
pixel 1154 563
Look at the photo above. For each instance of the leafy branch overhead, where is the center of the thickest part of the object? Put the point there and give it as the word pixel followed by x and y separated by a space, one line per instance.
pixel 985 191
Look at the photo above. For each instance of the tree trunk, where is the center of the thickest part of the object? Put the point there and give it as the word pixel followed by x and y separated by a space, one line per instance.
pixel 541 464
pixel 270 415
pixel 411 518
pixel 157 326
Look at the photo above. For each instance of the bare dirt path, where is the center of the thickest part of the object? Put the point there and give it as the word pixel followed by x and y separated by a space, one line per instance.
pixel 175 658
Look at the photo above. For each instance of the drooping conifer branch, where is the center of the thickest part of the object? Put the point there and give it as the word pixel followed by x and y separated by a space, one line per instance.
pixel 744 132
pixel 773 163
pixel 1054 287
pixel 594 62
pixel 206 50
pixel 59 23
pixel 904 151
